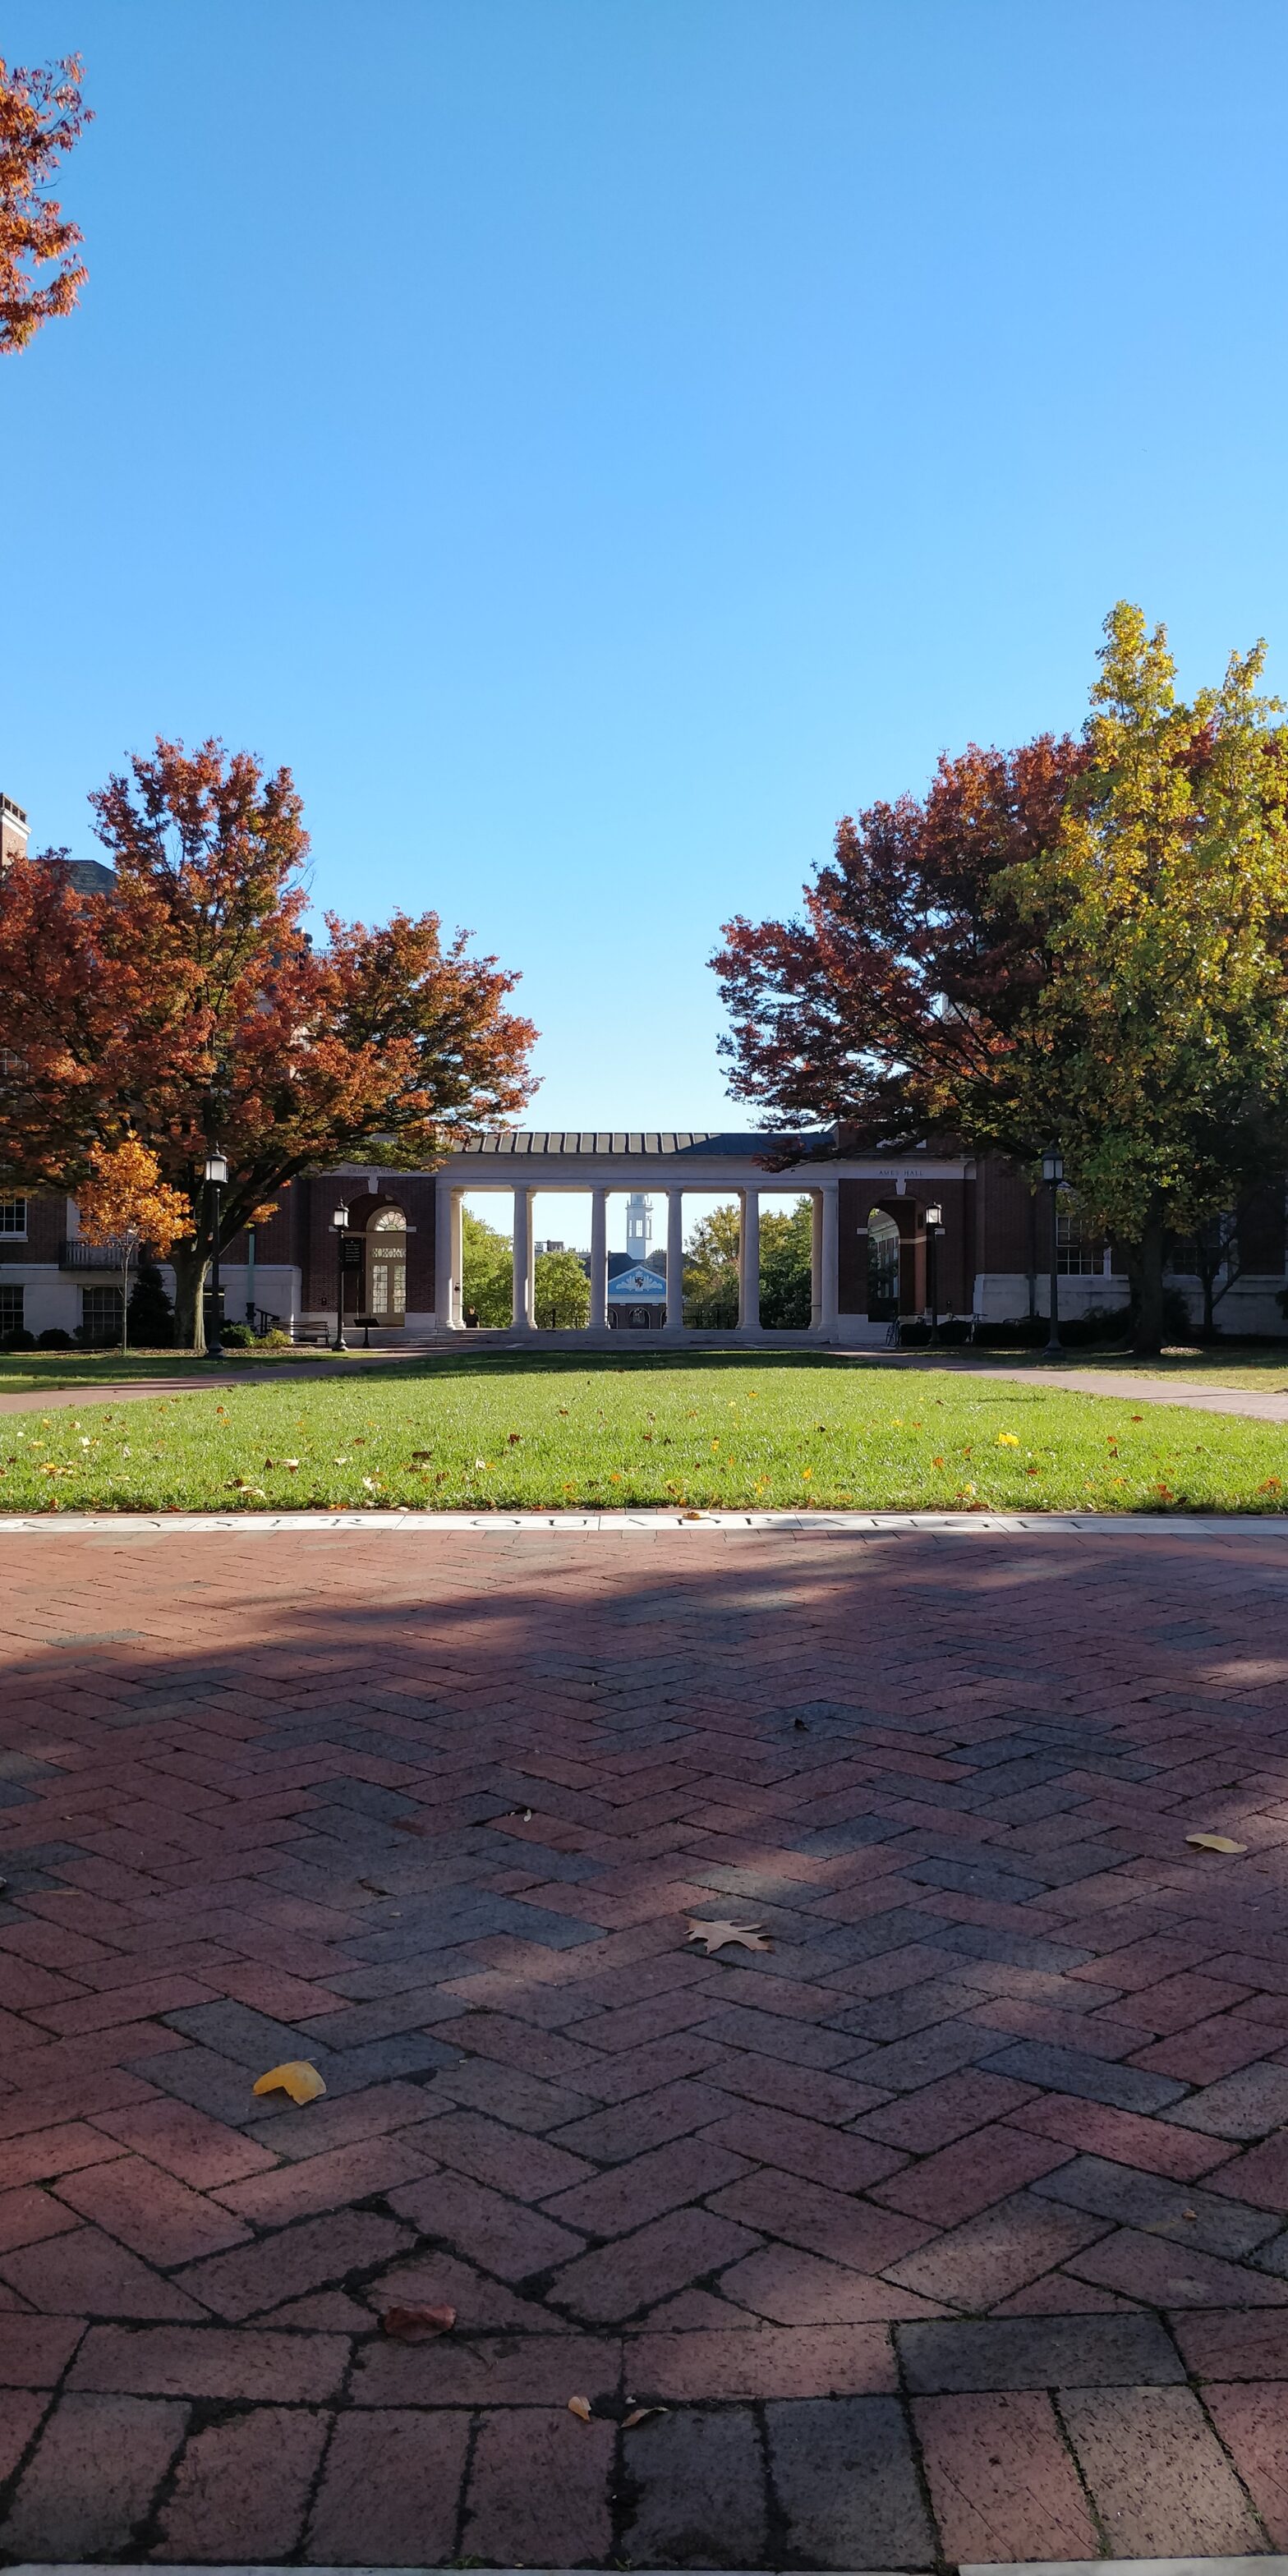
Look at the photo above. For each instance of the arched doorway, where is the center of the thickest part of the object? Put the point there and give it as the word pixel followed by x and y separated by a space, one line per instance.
pixel 883 1266
pixel 387 1267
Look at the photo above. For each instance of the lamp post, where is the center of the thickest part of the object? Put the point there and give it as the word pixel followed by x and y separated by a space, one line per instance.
pixel 934 1228
pixel 1053 1174
pixel 340 1222
pixel 216 1175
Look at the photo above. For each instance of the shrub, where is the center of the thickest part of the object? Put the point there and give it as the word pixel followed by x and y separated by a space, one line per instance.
pixel 18 1340
pixel 237 1337
pixel 150 1316
pixel 54 1339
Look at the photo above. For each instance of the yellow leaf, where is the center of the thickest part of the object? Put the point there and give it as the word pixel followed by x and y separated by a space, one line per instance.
pixel 1214 1842
pixel 296 2077
pixel 580 2406
pixel 640 2415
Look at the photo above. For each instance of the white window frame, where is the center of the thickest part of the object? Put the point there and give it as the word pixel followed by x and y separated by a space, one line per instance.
pixel 17 1231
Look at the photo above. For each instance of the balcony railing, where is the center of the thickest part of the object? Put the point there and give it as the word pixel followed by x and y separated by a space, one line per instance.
pixel 77 1253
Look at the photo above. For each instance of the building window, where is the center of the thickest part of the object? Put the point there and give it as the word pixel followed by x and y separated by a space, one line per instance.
pixel 1077 1255
pixel 101 1314
pixel 10 1308
pixel 13 1216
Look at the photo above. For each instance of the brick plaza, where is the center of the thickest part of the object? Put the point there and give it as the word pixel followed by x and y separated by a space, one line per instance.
pixel 951 2229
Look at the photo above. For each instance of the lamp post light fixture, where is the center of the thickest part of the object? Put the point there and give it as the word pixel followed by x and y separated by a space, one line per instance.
pixel 934 1228
pixel 1053 1174
pixel 216 1174
pixel 340 1222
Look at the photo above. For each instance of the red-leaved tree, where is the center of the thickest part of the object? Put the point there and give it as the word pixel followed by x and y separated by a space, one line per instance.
pixel 41 114
pixel 895 999
pixel 187 1006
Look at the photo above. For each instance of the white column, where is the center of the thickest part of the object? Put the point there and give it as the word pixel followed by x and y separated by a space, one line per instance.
pixel 598 1260
pixel 816 1261
pixel 444 1217
pixel 522 1307
pixel 749 1262
pixel 831 1250
pixel 457 1307
pixel 675 1261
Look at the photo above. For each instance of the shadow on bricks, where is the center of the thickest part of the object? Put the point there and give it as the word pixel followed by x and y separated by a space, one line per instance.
pixel 952 2227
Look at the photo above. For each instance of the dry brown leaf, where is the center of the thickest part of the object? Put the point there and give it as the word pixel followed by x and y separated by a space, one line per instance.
pixel 417 2325
pixel 296 2077
pixel 580 2406
pixel 1214 1842
pixel 640 2415
pixel 717 1936
pixel 408 1825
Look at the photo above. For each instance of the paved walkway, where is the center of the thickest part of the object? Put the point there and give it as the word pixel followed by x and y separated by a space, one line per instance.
pixel 951 2228
pixel 1261 1405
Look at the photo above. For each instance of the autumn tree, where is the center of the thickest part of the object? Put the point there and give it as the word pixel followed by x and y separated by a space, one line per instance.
pixel 41 115
pixel 1083 942
pixel 126 1204
pixel 894 999
pixel 189 1007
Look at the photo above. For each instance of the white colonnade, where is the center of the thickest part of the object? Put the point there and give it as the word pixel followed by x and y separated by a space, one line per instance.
pixel 825 1244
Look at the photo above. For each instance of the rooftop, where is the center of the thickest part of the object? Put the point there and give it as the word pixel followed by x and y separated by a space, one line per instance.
pixel 700 1142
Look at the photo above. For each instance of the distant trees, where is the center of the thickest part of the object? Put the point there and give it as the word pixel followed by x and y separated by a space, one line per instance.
pixel 1081 942
pixel 711 1269
pixel 188 1007
pixel 786 1265
pixel 560 1292
pixel 487 1286
pixel 41 115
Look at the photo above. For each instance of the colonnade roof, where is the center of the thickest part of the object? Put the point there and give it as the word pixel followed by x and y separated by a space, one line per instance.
pixel 743 1146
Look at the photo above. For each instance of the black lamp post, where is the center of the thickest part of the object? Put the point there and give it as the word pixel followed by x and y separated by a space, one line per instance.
pixel 340 1221
pixel 934 1228
pixel 1053 1174
pixel 216 1175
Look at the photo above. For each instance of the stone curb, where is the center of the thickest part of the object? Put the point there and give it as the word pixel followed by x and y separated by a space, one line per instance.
pixel 647 1524
pixel 1266 2566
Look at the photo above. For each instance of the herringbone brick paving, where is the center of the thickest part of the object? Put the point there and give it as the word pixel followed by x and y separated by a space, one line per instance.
pixel 954 2227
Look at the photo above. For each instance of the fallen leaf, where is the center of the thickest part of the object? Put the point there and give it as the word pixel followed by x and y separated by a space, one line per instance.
pixel 407 1825
pixel 640 2415
pixel 1214 1842
pixel 717 1936
pixel 417 2325
pixel 580 2406
pixel 296 2077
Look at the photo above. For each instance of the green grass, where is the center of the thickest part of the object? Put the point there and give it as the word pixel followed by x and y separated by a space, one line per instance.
pixel 32 1372
pixel 541 1433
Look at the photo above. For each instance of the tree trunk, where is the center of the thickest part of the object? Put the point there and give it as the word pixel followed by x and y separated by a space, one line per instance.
pixel 1147 1339
pixel 191 1265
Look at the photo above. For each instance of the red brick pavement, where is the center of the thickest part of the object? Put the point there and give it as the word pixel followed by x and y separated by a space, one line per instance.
pixel 955 2226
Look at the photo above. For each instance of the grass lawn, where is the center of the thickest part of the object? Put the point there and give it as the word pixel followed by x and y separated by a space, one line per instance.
pixel 541 1432
pixel 26 1372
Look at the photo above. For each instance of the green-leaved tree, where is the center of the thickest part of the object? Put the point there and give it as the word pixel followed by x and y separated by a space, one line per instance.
pixel 1157 1045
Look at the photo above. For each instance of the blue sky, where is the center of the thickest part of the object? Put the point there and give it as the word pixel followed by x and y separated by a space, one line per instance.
pixel 598 442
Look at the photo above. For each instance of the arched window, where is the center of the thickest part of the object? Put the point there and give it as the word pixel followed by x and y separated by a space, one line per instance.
pixel 883 1266
pixel 387 1266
